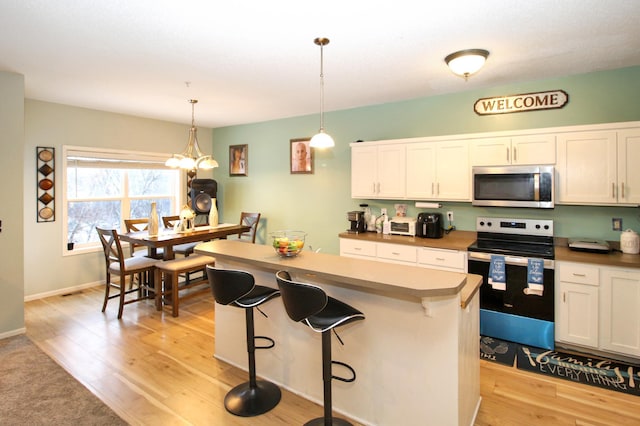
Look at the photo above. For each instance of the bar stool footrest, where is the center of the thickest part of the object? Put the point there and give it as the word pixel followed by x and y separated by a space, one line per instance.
pixel 247 401
pixel 348 367
pixel 269 339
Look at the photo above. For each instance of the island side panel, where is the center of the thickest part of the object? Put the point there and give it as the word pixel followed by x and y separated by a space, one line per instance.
pixel 408 365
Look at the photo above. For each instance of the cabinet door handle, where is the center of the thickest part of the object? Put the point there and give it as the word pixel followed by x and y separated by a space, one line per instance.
pixel 613 190
pixel 515 155
pixel 440 259
pixel 579 275
pixel 438 188
pixel 374 187
pixel 378 191
pixel 395 253
pixel 507 154
pixel 431 188
pixel 357 248
pixel 623 190
pixel 564 297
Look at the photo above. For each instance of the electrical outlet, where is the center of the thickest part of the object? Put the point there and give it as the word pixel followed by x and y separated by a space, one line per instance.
pixel 616 223
pixel 450 216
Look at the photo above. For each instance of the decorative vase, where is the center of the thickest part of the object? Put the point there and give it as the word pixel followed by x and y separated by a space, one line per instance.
pixel 213 213
pixel 152 228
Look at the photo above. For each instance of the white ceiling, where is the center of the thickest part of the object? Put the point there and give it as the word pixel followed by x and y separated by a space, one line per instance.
pixel 249 61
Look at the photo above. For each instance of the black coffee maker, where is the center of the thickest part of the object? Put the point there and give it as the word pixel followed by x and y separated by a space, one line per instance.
pixel 429 225
pixel 356 218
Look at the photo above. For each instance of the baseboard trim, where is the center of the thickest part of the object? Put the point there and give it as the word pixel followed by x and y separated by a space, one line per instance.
pixel 12 333
pixel 62 291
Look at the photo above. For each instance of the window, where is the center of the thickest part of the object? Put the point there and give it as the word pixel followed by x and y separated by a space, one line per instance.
pixel 104 187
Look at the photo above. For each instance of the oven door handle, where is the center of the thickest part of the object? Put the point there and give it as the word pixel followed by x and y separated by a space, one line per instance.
pixel 509 260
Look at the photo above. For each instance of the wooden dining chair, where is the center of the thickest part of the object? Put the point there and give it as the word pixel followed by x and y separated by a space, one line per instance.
pixel 135 225
pixel 184 249
pixel 116 263
pixel 252 220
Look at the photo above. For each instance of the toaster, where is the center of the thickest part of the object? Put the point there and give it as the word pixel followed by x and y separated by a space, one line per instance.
pixel 429 225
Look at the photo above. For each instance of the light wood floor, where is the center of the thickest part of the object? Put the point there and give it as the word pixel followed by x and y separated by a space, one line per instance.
pixel 153 369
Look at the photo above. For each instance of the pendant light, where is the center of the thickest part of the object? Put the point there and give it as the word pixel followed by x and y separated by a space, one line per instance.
pixel 466 62
pixel 321 139
pixel 192 158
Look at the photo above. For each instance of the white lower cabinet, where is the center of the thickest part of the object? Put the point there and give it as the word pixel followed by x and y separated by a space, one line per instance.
pixel 576 307
pixel 598 307
pixel 620 310
pixel 426 257
pixel 355 248
pixel 445 259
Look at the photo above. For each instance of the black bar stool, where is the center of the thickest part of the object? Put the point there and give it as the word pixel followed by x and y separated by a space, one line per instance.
pixel 311 305
pixel 237 288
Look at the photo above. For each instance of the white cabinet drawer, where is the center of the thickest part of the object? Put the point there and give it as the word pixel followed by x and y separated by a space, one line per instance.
pixel 442 259
pixel 578 273
pixel 397 252
pixel 357 248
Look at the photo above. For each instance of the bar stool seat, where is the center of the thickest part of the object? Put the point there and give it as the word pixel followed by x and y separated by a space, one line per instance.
pixel 310 305
pixel 238 288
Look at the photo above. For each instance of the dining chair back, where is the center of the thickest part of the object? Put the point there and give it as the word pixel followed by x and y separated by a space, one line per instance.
pixel 116 263
pixel 170 221
pixel 252 220
pixel 136 225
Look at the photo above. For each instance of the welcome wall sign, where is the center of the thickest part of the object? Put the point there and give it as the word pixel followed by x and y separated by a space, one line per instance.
pixel 521 103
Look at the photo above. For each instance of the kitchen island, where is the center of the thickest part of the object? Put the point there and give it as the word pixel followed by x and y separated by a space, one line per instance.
pixel 415 354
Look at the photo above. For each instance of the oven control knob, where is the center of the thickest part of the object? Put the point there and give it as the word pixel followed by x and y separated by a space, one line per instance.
pixel 489 224
pixel 537 226
pixel 482 223
pixel 546 227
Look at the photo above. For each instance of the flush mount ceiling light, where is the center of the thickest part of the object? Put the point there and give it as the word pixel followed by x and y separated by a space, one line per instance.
pixel 321 139
pixel 192 158
pixel 466 62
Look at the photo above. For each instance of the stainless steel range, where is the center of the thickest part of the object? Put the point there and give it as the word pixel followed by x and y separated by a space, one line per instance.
pixel 516 259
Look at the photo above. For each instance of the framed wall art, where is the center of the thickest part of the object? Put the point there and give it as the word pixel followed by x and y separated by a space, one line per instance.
pixel 238 160
pixel 45 181
pixel 301 156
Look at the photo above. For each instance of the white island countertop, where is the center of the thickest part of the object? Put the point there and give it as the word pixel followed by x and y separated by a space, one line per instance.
pixel 393 279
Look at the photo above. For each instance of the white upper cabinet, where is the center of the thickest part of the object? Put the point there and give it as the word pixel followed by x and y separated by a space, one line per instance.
pixel 378 171
pixel 438 171
pixel 629 166
pixel 592 167
pixel 513 150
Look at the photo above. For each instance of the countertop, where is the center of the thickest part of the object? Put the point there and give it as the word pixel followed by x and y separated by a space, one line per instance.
pixel 460 240
pixel 455 240
pixel 366 275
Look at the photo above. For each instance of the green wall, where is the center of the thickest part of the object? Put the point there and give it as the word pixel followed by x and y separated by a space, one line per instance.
pixel 318 203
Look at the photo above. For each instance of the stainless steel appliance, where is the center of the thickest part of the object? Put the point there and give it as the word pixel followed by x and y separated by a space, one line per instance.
pixel 356 218
pixel 403 226
pixel 430 225
pixel 513 186
pixel 516 310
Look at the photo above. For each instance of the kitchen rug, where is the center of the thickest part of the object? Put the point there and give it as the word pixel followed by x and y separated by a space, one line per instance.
pixel 495 350
pixel 600 372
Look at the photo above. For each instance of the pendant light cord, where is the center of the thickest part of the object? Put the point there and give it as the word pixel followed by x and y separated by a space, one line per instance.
pixel 322 87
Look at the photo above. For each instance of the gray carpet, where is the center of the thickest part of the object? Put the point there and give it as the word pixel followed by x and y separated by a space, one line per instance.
pixel 34 390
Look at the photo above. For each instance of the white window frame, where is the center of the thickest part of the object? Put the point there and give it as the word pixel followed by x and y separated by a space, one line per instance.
pixel 151 158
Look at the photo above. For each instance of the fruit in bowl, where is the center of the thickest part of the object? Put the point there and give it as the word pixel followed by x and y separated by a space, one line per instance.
pixel 288 243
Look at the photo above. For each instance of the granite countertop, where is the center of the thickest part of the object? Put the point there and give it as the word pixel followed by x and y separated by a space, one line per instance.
pixel 365 275
pixel 460 240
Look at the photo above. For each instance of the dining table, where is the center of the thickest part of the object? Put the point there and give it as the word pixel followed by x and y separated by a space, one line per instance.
pixel 167 238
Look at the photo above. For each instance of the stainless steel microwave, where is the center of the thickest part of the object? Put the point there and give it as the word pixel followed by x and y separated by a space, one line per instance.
pixel 514 186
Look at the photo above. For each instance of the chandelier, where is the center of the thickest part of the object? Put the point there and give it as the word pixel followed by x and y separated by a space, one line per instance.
pixel 192 158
